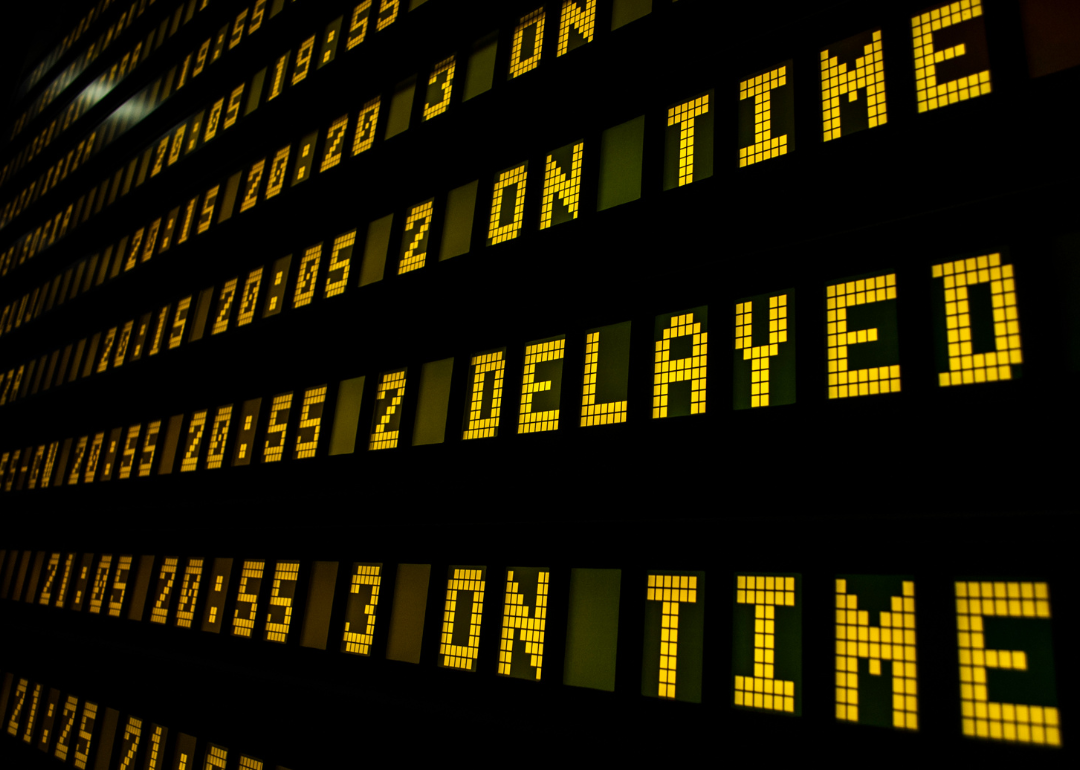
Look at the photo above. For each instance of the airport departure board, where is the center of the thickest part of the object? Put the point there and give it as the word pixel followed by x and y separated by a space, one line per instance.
pixel 358 401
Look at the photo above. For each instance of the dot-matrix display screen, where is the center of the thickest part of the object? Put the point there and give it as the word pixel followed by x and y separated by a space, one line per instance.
pixel 767 642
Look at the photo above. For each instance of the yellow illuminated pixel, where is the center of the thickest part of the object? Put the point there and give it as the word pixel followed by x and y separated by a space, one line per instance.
pixel 844 382
pixel 358 25
pixel 582 17
pixel 50 577
pixel 337 272
pixel 930 93
pixel 225 301
pixel 276 180
pixel 159 157
pixel 76 464
pixel 250 297
pixel 252 571
pixel 119 588
pixel 593 413
pixel 146 460
pixel 366 122
pixel 275 431
pixel 216 757
pixel 122 344
pixel 514 177
pixel 277 83
pixel 159 331
pixel 100 584
pixel 528 420
pixel 692 368
pixel 219 433
pixel 388 13
pixel 132 259
pixel 157 739
pixel 103 362
pixel 525 48
pixel 35 467
pixel 837 80
pixel 207 212
pixel 189 593
pixel 556 182
pixel 982 718
pixel 151 239
pixel 671 591
pixel 417 224
pixel 479 426
pixel 176 335
pixel 281 596
pixel 456 655
pixel 16 709
pixel 132 733
pixel 307 435
pixel 893 640
pixel 31 716
pixel 249 763
pixel 683 116
pixel 309 273
pixel 446 69
pixel 62 590
pixel 759 355
pixel 127 459
pixel 765 145
pixel 177 144
pixel 251 187
pixel 965 367
pixel 516 618
pixel 86 734
pixel 335 143
pixel 359 642
pixel 67 720
pixel 212 121
pixel 160 611
pixel 232 112
pixel 392 388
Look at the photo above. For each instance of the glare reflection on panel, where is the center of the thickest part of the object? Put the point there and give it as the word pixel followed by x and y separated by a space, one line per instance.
pixel 674 623
pixel 360 608
pixel 977 324
pixel 863 694
pixel 993 616
pixel 462 615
